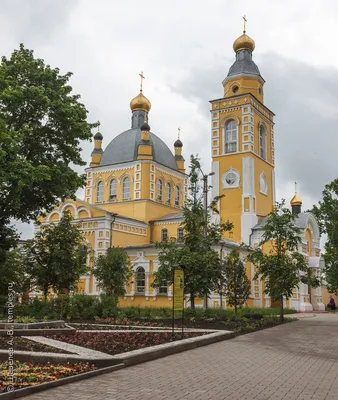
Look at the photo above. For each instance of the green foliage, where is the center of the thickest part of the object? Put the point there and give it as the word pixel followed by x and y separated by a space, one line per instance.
pixel 53 257
pixel 327 215
pixel 238 286
pixel 41 125
pixel 200 262
pixel 12 271
pixel 283 267
pixel 112 272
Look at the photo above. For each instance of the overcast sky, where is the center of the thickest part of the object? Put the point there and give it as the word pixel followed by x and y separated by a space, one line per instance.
pixel 184 48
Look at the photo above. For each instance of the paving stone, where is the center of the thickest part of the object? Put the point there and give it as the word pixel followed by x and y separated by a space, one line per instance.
pixel 296 361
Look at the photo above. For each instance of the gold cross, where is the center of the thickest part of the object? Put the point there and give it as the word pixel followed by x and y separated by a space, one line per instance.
pixel 296 187
pixel 245 21
pixel 179 132
pixel 142 77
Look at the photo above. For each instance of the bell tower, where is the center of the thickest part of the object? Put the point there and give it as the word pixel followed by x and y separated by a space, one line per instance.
pixel 242 141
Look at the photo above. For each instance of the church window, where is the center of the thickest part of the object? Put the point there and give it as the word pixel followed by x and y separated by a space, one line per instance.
pixel 231 137
pixel 230 178
pixel 83 254
pixel 262 142
pixel 177 196
pixel 164 235
pixel 168 193
pixel 180 234
pixel 163 288
pixel 99 192
pixel 112 190
pixel 126 189
pixel 263 184
pixel 140 280
pixel 159 190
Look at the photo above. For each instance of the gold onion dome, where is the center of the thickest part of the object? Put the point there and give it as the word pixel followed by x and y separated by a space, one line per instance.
pixel 140 102
pixel 244 42
pixel 296 200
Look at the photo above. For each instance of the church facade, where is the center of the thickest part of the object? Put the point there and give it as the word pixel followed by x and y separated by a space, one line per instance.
pixel 137 186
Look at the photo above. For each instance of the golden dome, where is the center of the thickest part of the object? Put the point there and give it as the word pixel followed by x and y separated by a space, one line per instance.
pixel 296 200
pixel 140 102
pixel 244 42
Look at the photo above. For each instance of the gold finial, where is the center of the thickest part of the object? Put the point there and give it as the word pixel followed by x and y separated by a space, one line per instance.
pixel 142 77
pixel 295 187
pixel 296 200
pixel 178 133
pixel 244 23
pixel 98 126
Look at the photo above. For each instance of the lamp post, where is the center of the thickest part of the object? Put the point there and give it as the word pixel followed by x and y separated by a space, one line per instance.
pixel 205 204
pixel 222 279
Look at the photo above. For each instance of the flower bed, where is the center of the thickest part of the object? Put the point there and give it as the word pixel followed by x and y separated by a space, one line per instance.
pixel 28 374
pixel 20 343
pixel 116 342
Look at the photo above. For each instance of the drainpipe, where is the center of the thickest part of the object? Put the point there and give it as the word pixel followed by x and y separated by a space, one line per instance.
pixel 111 229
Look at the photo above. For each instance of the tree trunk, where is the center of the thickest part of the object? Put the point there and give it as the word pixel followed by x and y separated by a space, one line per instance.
pixel 192 302
pixel 281 308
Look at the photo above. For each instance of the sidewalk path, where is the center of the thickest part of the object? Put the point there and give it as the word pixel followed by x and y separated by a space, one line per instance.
pixel 294 361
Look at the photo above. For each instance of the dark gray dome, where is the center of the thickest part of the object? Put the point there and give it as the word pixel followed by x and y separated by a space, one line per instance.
pixel 244 65
pixel 124 147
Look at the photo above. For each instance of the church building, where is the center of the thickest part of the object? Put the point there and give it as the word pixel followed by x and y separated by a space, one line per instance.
pixel 137 185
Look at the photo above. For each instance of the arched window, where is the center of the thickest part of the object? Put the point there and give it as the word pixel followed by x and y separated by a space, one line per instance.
pixel 180 234
pixel 168 193
pixel 126 189
pixel 99 192
pixel 230 137
pixel 159 190
pixel 177 196
pixel 262 142
pixel 164 235
pixel 140 278
pixel 112 190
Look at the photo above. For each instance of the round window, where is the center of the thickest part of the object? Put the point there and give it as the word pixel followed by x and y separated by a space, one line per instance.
pixel 230 178
pixel 235 89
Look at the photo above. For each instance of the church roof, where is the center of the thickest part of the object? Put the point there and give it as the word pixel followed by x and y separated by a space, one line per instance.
pixel 301 221
pixel 124 148
pixel 170 217
pixel 244 65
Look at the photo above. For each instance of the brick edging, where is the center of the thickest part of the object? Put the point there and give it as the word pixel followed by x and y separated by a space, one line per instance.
pixel 63 381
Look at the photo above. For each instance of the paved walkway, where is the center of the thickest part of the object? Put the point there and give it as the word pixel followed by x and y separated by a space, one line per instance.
pixel 295 361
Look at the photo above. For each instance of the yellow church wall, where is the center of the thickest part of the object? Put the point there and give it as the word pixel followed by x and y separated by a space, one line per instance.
pixel 264 202
pixel 157 231
pixel 245 85
pixel 122 239
pixel 308 238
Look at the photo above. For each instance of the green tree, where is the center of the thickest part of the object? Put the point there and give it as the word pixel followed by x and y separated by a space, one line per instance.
pixel 237 284
pixel 112 272
pixel 41 125
pixel 283 267
pixel 12 271
pixel 54 257
pixel 201 263
pixel 327 215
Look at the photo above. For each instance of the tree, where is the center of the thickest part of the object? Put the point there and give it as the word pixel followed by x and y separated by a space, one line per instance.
pixel 54 258
pixel 283 267
pixel 12 272
pixel 238 286
pixel 201 263
pixel 327 216
pixel 41 125
pixel 112 272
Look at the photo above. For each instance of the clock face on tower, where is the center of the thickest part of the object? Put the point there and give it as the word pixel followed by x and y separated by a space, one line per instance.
pixel 230 178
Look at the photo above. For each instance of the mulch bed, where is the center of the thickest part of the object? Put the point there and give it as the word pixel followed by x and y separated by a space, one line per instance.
pixel 29 374
pixel 23 344
pixel 116 343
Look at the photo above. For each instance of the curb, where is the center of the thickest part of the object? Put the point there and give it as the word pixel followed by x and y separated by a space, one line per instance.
pixel 63 381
